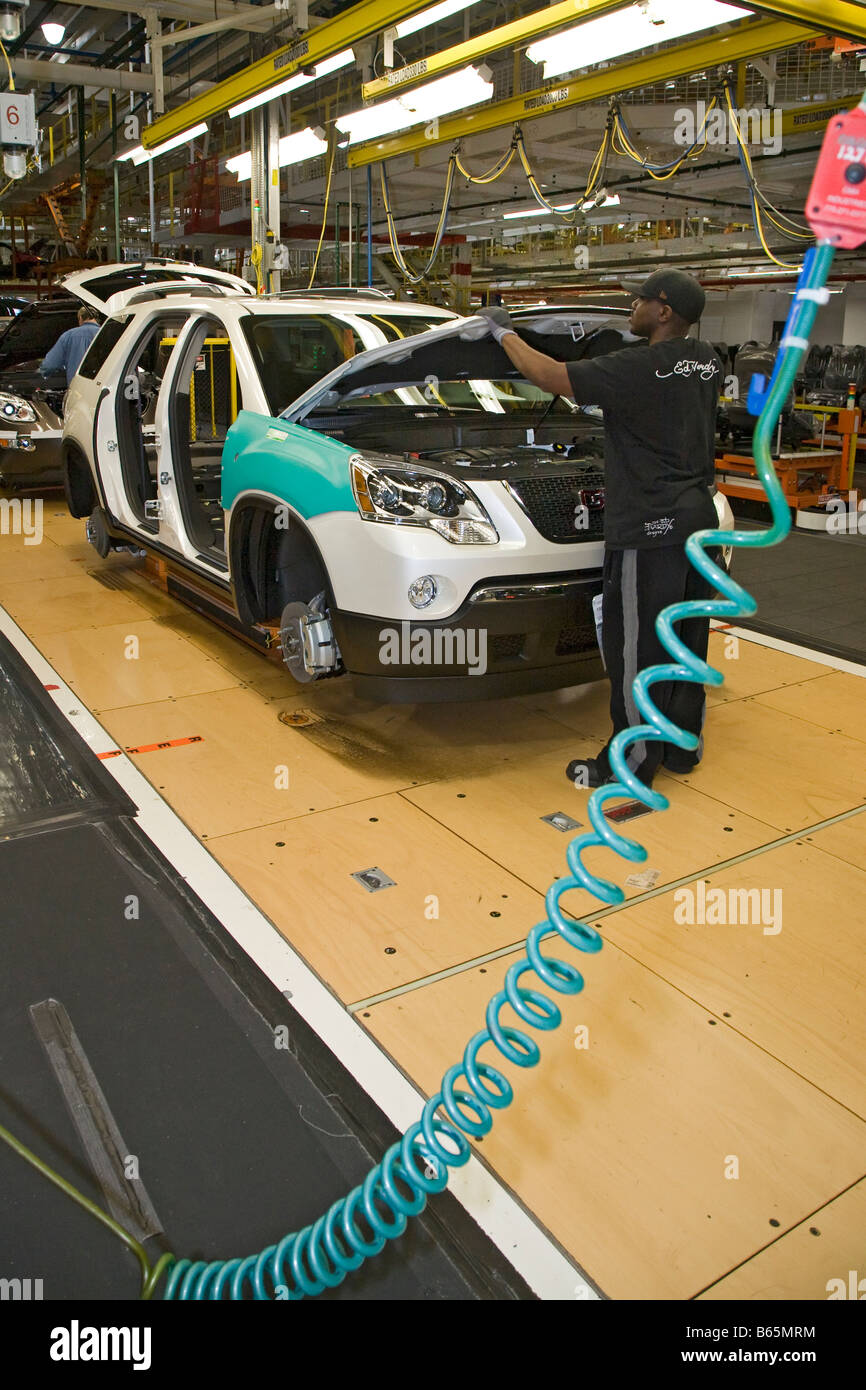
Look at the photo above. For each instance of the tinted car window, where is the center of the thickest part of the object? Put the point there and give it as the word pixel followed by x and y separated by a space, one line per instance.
pixel 107 338
pixel 35 330
pixel 295 352
pixel 107 285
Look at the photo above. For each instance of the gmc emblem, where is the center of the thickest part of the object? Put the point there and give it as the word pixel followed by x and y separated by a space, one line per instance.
pixel 592 497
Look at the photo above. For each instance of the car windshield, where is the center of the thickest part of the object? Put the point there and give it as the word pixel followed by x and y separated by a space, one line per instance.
pixel 294 352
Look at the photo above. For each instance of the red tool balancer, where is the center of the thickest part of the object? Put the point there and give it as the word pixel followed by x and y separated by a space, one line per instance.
pixel 836 206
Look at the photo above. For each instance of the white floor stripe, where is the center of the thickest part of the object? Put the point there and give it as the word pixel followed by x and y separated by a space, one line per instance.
pixel 762 639
pixel 527 1247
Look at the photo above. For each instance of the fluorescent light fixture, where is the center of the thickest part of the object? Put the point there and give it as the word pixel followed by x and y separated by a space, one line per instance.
pixel 304 144
pixel 54 33
pixel 538 211
pixel 333 64
pixel 460 89
pixel 425 18
pixel 292 149
pixel 298 79
pixel 140 155
pixel 629 31
pixel 242 165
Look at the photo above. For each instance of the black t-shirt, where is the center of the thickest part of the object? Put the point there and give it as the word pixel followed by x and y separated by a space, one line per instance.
pixel 659 405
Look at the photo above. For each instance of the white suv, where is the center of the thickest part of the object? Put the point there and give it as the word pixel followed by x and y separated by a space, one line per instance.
pixel 370 484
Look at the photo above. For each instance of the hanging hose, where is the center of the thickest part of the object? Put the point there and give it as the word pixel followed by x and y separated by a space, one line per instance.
pixel 493 173
pixel 331 163
pixel 751 183
pixel 438 235
pixel 306 1262
pixel 455 165
pixel 623 143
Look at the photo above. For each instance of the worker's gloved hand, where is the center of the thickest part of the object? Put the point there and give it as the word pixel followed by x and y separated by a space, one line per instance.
pixel 498 321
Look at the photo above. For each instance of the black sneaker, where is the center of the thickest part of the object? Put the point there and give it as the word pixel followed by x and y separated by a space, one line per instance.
pixel 586 772
pixel 678 766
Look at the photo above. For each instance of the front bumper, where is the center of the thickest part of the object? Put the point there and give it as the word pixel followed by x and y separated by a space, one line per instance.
pixel 512 636
pixel 31 457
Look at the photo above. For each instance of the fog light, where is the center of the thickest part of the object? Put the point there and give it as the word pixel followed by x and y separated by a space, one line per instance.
pixel 423 591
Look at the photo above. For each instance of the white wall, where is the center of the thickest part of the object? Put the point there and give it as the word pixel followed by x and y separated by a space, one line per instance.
pixel 735 316
pixel 854 301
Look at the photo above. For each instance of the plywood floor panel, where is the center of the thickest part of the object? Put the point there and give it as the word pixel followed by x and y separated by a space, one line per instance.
pixel 836 701
pixel 94 663
pixel 233 780
pixel 251 667
pixel 583 708
pixel 61 527
pixel 846 840
pixel 620 1149
pixel 780 769
pixel 800 1265
pixel 797 991
pixel 423 742
pixel 500 811
pixel 44 561
pixel 449 902
pixel 45 606
pixel 749 668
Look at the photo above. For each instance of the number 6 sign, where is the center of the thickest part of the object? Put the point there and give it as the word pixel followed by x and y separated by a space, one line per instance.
pixel 17 118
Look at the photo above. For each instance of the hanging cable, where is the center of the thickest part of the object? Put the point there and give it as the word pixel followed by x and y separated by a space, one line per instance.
pixel 795 230
pixel 568 215
pixel 8 65
pixel 623 143
pixel 493 173
pixel 331 164
pixel 407 273
pixel 746 162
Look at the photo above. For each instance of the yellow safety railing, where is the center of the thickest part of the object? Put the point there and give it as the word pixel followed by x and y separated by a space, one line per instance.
pixel 211 343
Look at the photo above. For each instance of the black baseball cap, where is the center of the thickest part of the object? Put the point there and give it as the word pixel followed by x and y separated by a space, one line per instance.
pixel 678 289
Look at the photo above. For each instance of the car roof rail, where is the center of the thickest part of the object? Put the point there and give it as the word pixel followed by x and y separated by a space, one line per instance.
pixel 200 289
pixel 331 292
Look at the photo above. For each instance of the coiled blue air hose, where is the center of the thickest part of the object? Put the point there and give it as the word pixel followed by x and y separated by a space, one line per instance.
pixel 320 1256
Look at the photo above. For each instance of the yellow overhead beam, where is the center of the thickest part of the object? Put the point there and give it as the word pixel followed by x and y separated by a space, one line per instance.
pixel 711 51
pixel 317 44
pixel 806 120
pixel 518 31
pixel 847 18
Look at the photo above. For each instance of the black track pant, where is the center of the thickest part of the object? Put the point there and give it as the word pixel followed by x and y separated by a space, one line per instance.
pixel 638 584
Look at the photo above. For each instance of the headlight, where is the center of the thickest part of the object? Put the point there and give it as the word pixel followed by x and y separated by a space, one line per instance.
pixel 407 496
pixel 14 408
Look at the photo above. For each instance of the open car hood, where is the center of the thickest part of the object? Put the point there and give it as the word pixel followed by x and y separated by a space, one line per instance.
pixel 463 349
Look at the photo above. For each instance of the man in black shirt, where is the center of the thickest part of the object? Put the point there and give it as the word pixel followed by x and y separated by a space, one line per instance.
pixel 659 402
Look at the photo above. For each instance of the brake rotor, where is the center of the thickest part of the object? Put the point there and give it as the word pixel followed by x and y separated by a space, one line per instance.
pixel 292 640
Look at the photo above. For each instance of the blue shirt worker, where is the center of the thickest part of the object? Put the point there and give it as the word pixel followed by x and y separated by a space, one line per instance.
pixel 68 352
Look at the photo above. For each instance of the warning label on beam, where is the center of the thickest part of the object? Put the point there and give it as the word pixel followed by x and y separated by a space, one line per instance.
pixel 546 98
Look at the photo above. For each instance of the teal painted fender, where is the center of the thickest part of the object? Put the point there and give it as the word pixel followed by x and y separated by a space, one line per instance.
pixel 307 470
